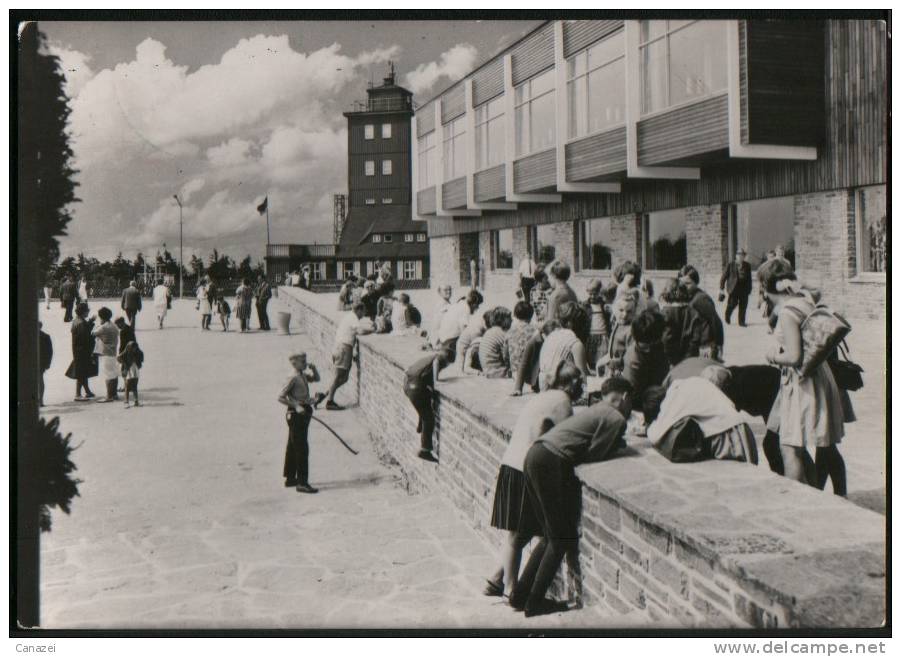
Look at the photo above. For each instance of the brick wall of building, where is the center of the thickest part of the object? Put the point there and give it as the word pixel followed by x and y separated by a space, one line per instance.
pixel 707 243
pixel 826 252
pixel 683 572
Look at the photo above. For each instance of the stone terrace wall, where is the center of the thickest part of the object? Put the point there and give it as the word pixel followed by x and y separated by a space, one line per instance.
pixel 706 544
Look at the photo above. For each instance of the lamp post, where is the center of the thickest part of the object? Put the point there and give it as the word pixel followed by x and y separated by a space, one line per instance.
pixel 181 250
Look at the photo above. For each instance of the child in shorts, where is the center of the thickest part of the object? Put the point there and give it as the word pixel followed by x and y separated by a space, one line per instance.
pixel 225 312
pixel 131 358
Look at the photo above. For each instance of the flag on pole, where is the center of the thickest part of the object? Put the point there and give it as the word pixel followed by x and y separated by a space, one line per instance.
pixel 262 207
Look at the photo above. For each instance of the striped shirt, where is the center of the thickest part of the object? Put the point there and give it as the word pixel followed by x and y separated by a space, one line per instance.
pixel 493 355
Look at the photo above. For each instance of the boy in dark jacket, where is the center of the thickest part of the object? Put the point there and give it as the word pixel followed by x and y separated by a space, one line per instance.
pixel 45 357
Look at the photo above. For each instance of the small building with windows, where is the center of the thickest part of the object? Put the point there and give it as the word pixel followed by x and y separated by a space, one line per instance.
pixel 666 142
pixel 379 226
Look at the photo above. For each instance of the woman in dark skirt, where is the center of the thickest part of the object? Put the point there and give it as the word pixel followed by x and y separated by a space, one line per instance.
pixel 83 365
pixel 512 510
pixel 244 304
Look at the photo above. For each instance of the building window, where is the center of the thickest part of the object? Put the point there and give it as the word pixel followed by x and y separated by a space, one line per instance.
pixel 681 61
pixel 596 87
pixel 427 160
pixel 534 114
pixel 502 248
pixel 663 240
pixel 386 167
pixel 420 237
pixel 348 268
pixel 408 237
pixel 455 149
pixel 376 238
pixel 370 167
pixel 410 270
pixel 370 201
pixel 386 131
pixel 388 238
pixel 317 271
pixel 542 244
pixel 594 244
pixel 761 226
pixel 387 201
pixel 369 131
pixel 490 140
pixel 870 218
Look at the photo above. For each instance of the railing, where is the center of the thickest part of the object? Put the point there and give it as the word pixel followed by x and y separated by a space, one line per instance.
pixel 300 250
pixel 389 104
pixel 333 285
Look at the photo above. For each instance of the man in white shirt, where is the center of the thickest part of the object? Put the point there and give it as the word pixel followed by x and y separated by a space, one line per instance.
pixel 350 326
pixel 453 323
pixel 444 293
pixel 526 274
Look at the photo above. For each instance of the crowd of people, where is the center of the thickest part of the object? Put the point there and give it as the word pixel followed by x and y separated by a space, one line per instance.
pixel 211 298
pixel 658 362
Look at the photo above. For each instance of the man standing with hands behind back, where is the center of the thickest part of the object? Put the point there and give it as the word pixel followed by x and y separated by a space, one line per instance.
pixel 263 294
pixel 736 280
pixel 131 302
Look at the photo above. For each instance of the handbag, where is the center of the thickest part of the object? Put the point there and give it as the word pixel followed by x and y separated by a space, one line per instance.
pixel 821 332
pixel 684 443
pixel 848 375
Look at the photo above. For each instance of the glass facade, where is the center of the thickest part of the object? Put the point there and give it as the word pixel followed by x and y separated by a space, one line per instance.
pixel 872 246
pixel 490 140
pixel 534 114
pixel 681 61
pixel 594 244
pixel 664 241
pixel 596 85
pixel 455 149
pixel 543 248
pixel 426 160
pixel 502 240
pixel 759 226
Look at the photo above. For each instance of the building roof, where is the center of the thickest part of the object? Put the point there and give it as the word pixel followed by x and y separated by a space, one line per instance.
pixel 362 222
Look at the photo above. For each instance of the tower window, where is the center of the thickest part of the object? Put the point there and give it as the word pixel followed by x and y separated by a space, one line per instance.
pixel 369 131
pixel 370 167
pixel 386 131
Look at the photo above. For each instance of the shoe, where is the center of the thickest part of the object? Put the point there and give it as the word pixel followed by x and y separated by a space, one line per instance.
pixel 81 399
pixel 306 488
pixel 137 403
pixel 290 483
pixel 332 406
pixel 105 400
pixel 127 405
pixel 89 395
pixel 544 607
pixel 318 399
pixel 493 589
pixel 426 455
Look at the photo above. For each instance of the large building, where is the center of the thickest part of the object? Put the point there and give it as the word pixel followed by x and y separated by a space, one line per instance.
pixel 665 142
pixel 378 226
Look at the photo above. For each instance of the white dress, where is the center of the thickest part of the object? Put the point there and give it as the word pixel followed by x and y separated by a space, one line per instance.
pixel 161 300
pixel 203 301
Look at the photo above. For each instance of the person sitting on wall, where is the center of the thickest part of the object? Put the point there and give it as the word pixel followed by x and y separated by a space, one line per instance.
pixel 470 341
pixel 529 370
pixel 349 328
pixel 345 294
pixel 540 294
pixel 559 275
pixel 704 306
pixel 370 299
pixel 445 292
pixel 521 331
pixel 455 321
pixel 493 355
pixel 620 334
pixel 555 493
pixel 403 316
pixel 512 511
pixel 562 345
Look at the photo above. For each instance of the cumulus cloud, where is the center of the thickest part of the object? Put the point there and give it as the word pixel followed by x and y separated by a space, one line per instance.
pixel 452 64
pixel 260 121
pixel 75 67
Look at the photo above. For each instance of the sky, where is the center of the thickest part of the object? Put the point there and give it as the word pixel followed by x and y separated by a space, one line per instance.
pixel 224 114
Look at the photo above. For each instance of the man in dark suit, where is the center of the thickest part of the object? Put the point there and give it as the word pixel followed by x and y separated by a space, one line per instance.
pixel 131 302
pixel 736 280
pixel 263 294
pixel 67 297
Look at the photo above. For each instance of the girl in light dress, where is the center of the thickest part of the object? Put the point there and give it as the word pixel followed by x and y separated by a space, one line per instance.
pixel 809 411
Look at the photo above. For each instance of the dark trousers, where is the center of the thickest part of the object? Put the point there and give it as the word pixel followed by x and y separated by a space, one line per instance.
pixel 526 285
pixel 555 494
pixel 131 314
pixel 421 398
pixel 262 315
pixel 297 452
pixel 740 300
pixel 68 305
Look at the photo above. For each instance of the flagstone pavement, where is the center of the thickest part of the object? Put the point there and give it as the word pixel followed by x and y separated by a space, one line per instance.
pixel 183 520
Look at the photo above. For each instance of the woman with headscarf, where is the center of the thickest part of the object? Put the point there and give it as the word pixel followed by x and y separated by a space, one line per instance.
pixel 83 365
pixel 244 304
